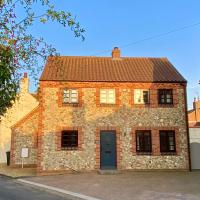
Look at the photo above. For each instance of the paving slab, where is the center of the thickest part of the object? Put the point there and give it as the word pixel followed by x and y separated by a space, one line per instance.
pixel 128 185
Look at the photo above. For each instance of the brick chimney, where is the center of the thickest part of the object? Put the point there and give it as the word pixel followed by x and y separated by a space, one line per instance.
pixel 24 84
pixel 196 107
pixel 116 53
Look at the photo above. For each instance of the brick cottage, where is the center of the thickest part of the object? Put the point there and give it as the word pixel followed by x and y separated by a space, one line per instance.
pixel 106 113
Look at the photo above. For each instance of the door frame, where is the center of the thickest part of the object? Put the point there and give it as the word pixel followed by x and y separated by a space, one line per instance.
pixel 115 147
pixel 118 145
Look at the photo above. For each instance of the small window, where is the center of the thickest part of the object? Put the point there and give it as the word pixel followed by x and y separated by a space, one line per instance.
pixel 70 96
pixel 107 96
pixel 165 96
pixel 141 96
pixel 69 139
pixel 143 141
pixel 167 141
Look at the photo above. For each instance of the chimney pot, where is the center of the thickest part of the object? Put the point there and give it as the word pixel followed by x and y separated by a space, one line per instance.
pixel 116 52
pixel 25 75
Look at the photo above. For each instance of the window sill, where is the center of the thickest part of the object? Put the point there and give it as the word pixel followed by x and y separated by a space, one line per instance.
pixel 166 105
pixel 71 104
pixel 69 149
pixel 168 154
pixel 107 105
pixel 142 105
pixel 144 153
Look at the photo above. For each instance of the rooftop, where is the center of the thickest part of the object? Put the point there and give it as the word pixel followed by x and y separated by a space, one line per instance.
pixel 110 69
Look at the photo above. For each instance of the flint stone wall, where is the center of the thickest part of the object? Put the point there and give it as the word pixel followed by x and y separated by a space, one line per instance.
pixel 124 116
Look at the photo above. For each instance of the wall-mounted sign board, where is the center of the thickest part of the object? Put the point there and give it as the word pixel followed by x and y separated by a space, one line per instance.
pixel 24 153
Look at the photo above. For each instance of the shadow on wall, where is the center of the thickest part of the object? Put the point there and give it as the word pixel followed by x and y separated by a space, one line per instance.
pixel 195 155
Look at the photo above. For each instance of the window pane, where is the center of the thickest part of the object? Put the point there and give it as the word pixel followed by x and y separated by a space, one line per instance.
pixel 141 96
pixel 74 91
pixel 66 91
pixel 74 95
pixel 163 142
pixel 145 96
pixel 69 139
pixel 139 141
pixel 165 96
pixel 74 99
pixel 70 96
pixel 167 141
pixel 111 92
pixel 103 100
pixel 171 148
pixel 66 100
pixel 169 100
pixel 107 96
pixel 143 141
pixel 169 96
pixel 111 96
pixel 103 91
pixel 103 95
pixel 65 96
pixel 137 96
pixel 111 100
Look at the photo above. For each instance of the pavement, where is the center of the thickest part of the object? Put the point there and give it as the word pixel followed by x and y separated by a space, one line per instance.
pixel 125 186
pixel 11 189
pixel 16 172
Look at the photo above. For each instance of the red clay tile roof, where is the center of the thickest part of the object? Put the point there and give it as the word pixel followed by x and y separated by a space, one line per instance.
pixel 108 69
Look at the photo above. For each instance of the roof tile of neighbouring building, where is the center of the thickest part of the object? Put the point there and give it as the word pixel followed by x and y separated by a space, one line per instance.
pixel 108 69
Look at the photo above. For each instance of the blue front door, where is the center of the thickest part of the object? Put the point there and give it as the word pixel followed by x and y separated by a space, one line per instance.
pixel 108 150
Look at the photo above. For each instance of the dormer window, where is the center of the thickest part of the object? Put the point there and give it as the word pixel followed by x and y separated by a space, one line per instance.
pixel 70 96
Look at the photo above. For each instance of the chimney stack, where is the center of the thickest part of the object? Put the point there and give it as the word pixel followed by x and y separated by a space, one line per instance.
pixel 24 84
pixel 196 107
pixel 116 53
pixel 25 75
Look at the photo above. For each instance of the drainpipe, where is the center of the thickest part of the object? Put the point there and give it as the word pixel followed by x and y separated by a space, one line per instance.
pixel 187 127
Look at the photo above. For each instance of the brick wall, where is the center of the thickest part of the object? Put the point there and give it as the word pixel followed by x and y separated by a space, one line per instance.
pixel 194 114
pixel 25 135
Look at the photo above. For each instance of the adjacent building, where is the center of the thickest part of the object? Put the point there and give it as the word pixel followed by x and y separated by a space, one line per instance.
pixel 24 103
pixel 194 131
pixel 105 113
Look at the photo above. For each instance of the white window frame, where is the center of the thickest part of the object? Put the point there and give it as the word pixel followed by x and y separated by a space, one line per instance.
pixel 70 95
pixel 106 96
pixel 140 99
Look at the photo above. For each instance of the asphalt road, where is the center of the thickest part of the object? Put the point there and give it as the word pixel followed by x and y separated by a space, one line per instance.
pixel 10 189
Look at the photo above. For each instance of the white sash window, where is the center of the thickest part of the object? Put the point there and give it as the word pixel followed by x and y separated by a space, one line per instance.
pixel 70 96
pixel 107 96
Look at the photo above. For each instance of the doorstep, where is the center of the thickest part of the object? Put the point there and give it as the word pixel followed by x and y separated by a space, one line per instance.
pixel 108 172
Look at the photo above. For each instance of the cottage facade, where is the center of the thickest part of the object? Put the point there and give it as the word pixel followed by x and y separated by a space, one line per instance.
pixel 106 113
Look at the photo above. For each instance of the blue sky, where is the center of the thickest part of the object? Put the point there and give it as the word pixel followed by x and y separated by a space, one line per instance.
pixel 110 23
